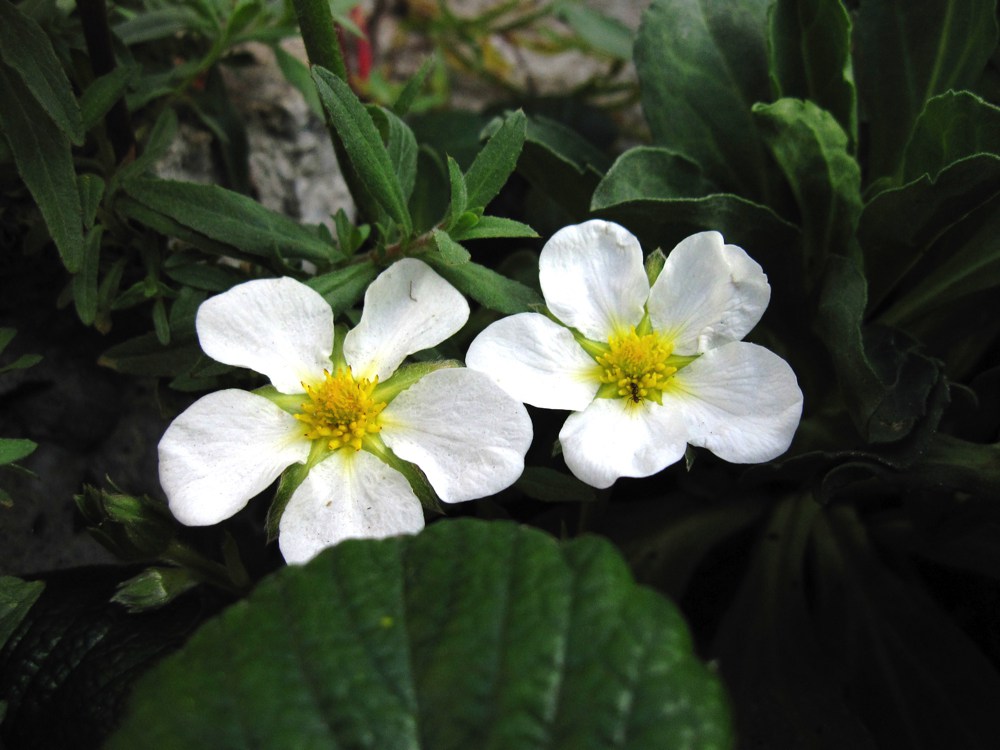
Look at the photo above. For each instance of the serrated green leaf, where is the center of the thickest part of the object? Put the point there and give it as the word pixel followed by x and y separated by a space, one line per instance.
pixel 345 286
pixel 363 145
pixel 450 252
pixel 231 218
pixel 488 288
pixel 14 449
pixel 44 160
pixel 16 598
pixel 701 66
pixel 554 648
pixel 813 152
pixel 26 48
pixel 952 126
pixel 102 94
pixel 494 164
pixel 908 52
pixel 493 226
pixel 809 46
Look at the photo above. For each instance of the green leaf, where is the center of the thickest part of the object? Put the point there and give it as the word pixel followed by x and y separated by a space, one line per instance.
pixel 24 361
pixel 526 643
pixel 91 188
pixel 296 73
pixel 85 280
pixel 602 33
pixel 459 194
pixel 650 172
pixel 16 599
pixel 494 164
pixel 493 226
pixel 43 158
pixel 345 286
pixel 14 449
pixel 102 94
pixel 487 287
pixel 412 88
pixel 812 151
pixel 450 252
pixel 899 225
pixel 401 145
pixel 26 48
pixel 551 486
pixel 161 136
pixel 363 145
pixel 159 23
pixel 952 126
pixel 701 65
pixel 908 52
pixel 809 45
pixel 231 218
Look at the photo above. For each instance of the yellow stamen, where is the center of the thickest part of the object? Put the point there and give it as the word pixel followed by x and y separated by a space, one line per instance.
pixel 636 366
pixel 340 410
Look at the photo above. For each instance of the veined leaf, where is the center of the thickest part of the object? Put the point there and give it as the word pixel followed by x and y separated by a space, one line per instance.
pixel 493 165
pixel 908 52
pixel 363 145
pixel 526 643
pixel 28 52
pixel 702 64
pixel 953 126
pixel 44 160
pixel 401 145
pixel 493 226
pixel 809 45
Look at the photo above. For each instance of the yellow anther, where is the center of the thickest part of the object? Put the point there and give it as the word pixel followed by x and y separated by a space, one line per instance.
pixel 340 410
pixel 636 364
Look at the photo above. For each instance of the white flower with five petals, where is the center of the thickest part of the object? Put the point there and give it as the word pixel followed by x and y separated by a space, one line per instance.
pixel 335 407
pixel 646 369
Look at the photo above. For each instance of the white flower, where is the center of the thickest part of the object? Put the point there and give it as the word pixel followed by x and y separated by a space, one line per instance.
pixel 646 370
pixel 336 407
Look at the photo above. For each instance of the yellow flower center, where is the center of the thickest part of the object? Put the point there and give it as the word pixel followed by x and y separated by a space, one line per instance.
pixel 635 367
pixel 340 410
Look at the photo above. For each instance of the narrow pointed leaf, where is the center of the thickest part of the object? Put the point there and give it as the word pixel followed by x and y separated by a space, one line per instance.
pixel 494 164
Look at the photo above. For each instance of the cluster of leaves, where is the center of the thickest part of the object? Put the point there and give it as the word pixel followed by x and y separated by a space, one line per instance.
pixel 846 590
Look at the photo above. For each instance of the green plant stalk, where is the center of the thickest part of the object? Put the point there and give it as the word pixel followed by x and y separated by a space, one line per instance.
pixel 323 48
pixel 97 34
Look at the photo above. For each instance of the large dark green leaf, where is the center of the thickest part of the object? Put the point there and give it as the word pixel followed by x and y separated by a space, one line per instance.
pixel 809 44
pixel 953 126
pixel 470 635
pixel 363 144
pixel 69 663
pixel 651 172
pixel 26 48
pixel 44 160
pixel 914 677
pixel 907 52
pixel 16 598
pixel 702 64
pixel 230 218
pixel 899 225
pixel 812 150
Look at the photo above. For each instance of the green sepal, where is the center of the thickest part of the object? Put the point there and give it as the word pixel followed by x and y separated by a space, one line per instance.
pixel 153 587
pixel 418 481
pixel 290 480
pixel 289 402
pixel 406 376
pixel 654 264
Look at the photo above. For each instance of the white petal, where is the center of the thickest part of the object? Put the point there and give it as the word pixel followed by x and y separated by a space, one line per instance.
pixel 349 495
pixel 610 440
pixel 593 279
pixel 277 327
pixel 740 401
pixel 407 308
pixel 464 432
pixel 224 449
pixel 707 294
pixel 536 361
